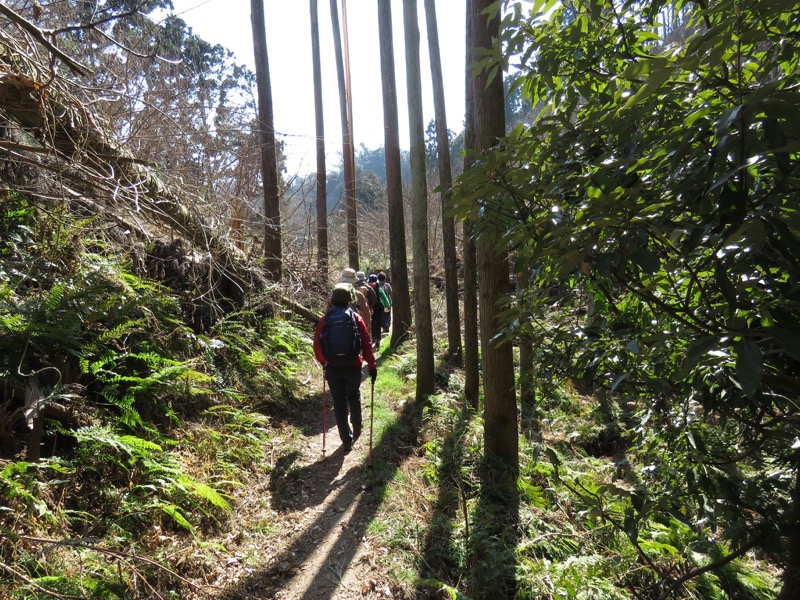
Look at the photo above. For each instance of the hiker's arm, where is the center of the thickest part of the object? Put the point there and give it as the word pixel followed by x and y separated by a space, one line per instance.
pixel 317 345
pixel 366 344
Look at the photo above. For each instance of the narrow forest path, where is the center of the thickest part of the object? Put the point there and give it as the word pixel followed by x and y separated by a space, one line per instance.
pixel 304 532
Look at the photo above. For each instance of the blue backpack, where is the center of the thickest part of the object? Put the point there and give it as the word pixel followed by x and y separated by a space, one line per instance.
pixel 340 339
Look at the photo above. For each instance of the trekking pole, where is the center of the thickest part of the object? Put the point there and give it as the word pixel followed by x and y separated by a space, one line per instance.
pixel 324 427
pixel 371 414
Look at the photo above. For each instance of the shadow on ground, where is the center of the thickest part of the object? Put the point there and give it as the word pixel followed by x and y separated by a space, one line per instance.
pixel 308 486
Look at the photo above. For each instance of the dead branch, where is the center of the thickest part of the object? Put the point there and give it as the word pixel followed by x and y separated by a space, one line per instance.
pixel 39 35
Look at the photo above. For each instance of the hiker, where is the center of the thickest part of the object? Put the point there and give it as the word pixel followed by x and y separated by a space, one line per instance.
pixel 377 312
pixel 369 293
pixel 360 301
pixel 387 308
pixel 341 345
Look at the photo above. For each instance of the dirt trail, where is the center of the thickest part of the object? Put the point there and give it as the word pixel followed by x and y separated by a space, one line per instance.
pixel 322 505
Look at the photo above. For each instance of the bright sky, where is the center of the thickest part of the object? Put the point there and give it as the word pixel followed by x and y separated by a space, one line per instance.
pixel 288 26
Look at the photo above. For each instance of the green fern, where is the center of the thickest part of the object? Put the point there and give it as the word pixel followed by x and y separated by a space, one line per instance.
pixel 22 490
pixel 13 323
pixel 103 436
pixel 439 586
pixel 176 515
pixel 150 470
pixel 55 297
pixel 205 492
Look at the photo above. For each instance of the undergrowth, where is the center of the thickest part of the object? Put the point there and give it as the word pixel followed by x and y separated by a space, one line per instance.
pixel 593 522
pixel 149 424
pixel 126 428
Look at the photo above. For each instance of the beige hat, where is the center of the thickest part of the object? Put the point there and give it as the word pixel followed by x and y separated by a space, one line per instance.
pixel 361 276
pixel 348 276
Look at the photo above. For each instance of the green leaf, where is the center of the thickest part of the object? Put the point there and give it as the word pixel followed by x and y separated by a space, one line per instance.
pixel 658 547
pixel 696 442
pixel 647 260
pixel 174 511
pixel 631 527
pixel 650 87
pixel 725 285
pixel 749 366
pixel 728 117
pixel 696 351
pixel 789 338
pixel 617 380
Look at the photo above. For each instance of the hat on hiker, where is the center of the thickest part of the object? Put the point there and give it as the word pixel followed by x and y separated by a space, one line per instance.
pixel 361 276
pixel 348 276
pixel 341 294
pixel 373 278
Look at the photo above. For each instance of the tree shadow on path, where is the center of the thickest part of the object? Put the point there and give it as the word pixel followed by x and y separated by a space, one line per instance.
pixel 337 530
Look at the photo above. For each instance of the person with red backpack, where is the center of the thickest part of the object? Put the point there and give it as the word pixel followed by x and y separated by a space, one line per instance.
pixel 342 344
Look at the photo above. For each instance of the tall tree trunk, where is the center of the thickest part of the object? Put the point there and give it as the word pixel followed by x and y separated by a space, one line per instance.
pixel 527 392
pixel 350 186
pixel 273 261
pixel 500 402
pixel 322 188
pixel 401 300
pixel 499 510
pixel 470 260
pixel 347 142
pixel 419 213
pixel 446 183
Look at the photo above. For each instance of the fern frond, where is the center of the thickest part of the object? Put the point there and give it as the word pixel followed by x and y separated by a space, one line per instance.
pixel 137 443
pixel 103 436
pixel 13 323
pixel 207 493
pixel 55 296
pixel 175 513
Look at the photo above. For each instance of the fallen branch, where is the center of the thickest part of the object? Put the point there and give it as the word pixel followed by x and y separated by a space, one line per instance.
pixel 38 35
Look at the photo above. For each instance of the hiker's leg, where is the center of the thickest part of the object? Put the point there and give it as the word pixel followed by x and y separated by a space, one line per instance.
pixel 338 384
pixel 387 320
pixel 354 397
pixel 377 318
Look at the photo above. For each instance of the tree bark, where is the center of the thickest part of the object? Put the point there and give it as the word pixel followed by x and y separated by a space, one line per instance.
pixel 470 260
pixel 499 491
pixel 500 413
pixel 419 213
pixel 500 403
pixel 401 300
pixel 321 180
pixel 526 388
pixel 273 262
pixel 446 183
pixel 348 161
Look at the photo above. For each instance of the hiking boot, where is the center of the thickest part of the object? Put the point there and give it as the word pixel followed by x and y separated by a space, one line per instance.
pixel 347 446
pixel 356 432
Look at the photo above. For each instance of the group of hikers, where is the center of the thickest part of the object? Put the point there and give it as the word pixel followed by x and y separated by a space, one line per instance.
pixel 347 336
